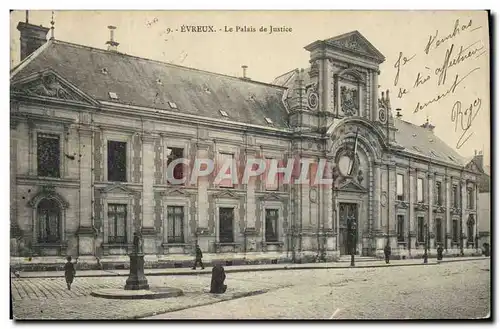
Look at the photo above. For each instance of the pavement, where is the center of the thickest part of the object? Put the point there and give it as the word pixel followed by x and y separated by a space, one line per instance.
pixel 449 290
pixel 344 263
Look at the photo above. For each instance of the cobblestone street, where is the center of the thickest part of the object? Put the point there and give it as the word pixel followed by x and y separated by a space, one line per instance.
pixel 453 290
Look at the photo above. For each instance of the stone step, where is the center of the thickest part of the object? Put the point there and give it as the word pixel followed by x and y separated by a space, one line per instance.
pixel 347 259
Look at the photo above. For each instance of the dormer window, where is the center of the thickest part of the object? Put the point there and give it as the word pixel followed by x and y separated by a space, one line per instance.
pixel 172 105
pixel 268 120
pixel 158 81
pixel 104 70
pixel 417 149
pixel 223 113
pixel 113 95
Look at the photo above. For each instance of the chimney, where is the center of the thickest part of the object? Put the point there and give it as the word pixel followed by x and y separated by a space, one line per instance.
pixel 112 44
pixel 32 37
pixel 244 67
pixel 428 126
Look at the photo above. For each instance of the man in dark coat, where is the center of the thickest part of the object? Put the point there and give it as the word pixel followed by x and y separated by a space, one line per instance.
pixel 199 256
pixel 69 272
pixel 387 253
pixel 217 285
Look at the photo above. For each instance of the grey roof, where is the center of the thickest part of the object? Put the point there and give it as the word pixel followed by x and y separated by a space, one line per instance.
pixel 421 141
pixel 143 82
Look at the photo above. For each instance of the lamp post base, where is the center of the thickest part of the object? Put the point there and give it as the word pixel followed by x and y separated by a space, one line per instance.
pixel 352 260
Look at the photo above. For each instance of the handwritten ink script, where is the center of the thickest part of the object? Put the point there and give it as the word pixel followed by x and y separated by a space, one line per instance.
pixel 464 119
pixel 444 76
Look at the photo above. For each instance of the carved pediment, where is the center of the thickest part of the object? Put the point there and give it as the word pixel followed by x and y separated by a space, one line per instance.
pixel 174 192
pixel 352 186
pixel 421 207
pixel 356 43
pixel 439 209
pixel 117 189
pixel 48 192
pixel 472 166
pixel 49 84
pixel 402 204
pixel 225 194
pixel 270 197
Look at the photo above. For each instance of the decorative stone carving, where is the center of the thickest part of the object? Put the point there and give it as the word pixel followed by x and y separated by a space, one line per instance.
pixel 350 43
pixel 421 207
pixel 402 204
pixel 349 100
pixel 48 86
pixel 360 176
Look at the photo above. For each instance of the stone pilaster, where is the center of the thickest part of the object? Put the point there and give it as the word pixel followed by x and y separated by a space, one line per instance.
pixel 85 230
pixel 377 216
pixel 412 221
pixel 430 198
pixel 148 203
pixel 447 202
pixel 203 184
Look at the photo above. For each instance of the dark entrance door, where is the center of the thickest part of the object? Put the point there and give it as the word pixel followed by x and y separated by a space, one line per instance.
pixel 348 214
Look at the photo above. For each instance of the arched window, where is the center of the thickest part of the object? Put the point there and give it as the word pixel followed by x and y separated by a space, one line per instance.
pixel 49 221
pixel 470 229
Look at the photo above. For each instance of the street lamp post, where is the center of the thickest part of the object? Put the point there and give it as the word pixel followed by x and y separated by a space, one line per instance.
pixel 352 229
pixel 426 229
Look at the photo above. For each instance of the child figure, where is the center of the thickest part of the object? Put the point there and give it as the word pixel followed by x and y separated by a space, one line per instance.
pixel 69 272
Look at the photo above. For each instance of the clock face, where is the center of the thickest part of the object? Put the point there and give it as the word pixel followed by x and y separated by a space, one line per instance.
pixel 345 164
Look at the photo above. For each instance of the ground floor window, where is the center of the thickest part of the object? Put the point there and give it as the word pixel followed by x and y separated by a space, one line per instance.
pixel 49 221
pixel 117 217
pixel 439 230
pixel 421 230
pixel 470 229
pixel 271 225
pixel 455 230
pixel 226 221
pixel 175 220
pixel 401 228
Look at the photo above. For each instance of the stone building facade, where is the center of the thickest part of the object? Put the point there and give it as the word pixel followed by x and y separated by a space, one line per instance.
pixel 92 133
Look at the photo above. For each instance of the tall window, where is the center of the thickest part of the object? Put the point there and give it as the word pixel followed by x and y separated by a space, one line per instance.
pixel 455 196
pixel 401 228
pixel 439 230
pixel 175 220
pixel 420 190
pixel 400 187
pixel 272 183
pixel 174 154
pixel 49 221
pixel 117 217
pixel 226 158
pixel 470 198
pixel 271 225
pixel 439 200
pixel 48 155
pixel 455 230
pixel 470 229
pixel 226 220
pixel 117 161
pixel 420 235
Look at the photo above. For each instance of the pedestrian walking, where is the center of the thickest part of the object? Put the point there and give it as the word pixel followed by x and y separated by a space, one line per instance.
pixel 199 256
pixel 69 272
pixel 440 252
pixel 387 253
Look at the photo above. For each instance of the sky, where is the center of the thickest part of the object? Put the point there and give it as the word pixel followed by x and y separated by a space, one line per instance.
pixel 461 115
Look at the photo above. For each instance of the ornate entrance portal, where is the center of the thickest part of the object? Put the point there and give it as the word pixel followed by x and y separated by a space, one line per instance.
pixel 348 215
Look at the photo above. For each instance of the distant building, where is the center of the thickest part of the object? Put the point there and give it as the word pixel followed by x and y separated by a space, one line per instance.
pixel 92 132
pixel 484 190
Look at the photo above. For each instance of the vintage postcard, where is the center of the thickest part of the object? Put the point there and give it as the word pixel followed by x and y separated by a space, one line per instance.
pixel 250 165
